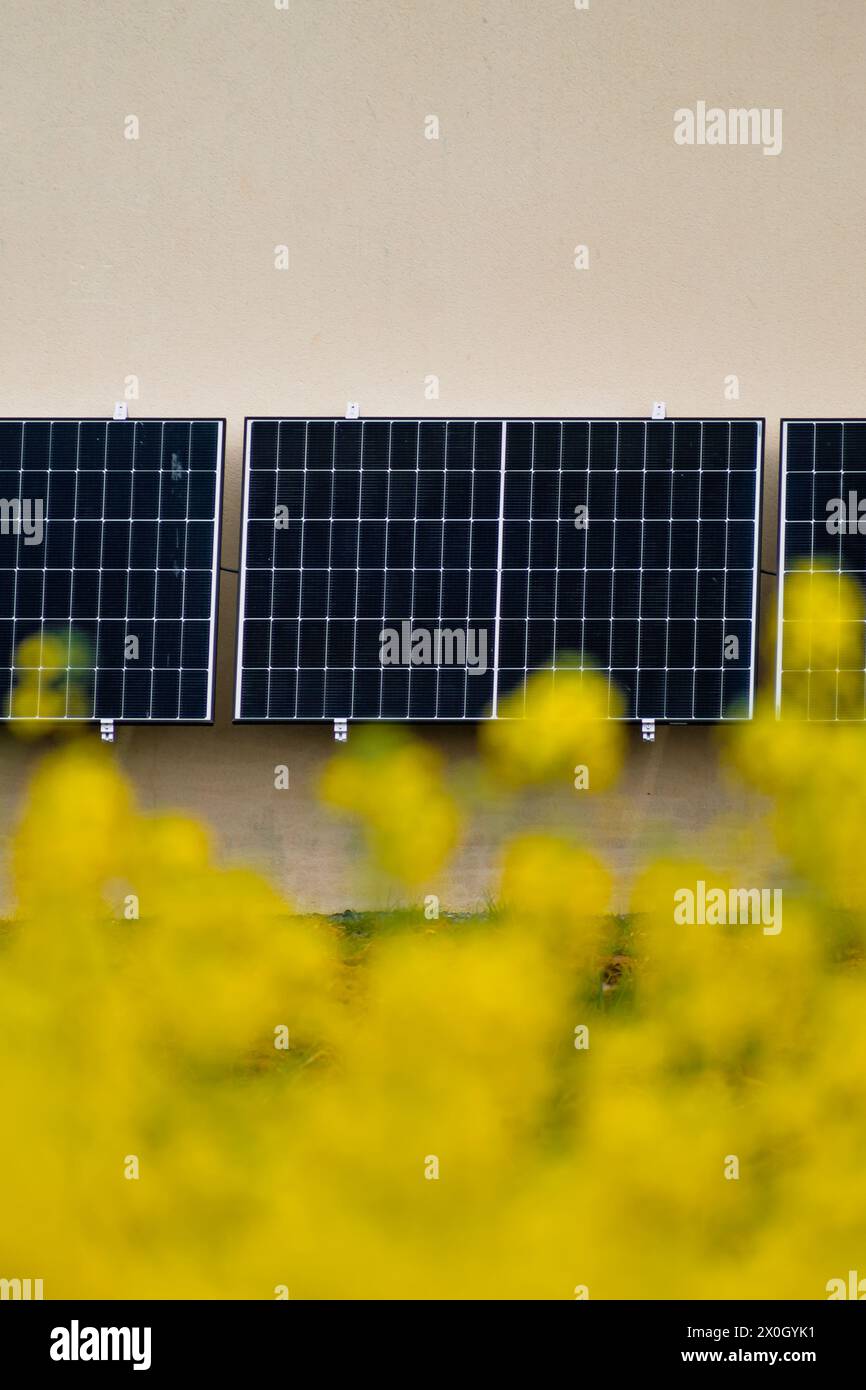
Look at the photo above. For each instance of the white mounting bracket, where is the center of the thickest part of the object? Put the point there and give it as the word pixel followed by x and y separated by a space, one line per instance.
pixel 106 730
pixel 648 730
pixel 353 410
pixel 659 411
pixel 341 730
pixel 121 410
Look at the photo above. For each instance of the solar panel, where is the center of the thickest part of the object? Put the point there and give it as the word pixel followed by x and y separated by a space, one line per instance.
pixel 822 482
pixel 109 562
pixel 422 568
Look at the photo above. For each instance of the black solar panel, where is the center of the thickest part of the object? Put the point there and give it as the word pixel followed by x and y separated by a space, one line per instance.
pixel 420 569
pixel 109 538
pixel 822 484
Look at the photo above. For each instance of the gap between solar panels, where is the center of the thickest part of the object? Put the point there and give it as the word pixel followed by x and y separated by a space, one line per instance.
pixel 422 569
pixel 109 549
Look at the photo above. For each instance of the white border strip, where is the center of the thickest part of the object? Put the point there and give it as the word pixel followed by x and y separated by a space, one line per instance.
pixel 494 711
pixel 242 563
pixel 780 563
pixel 756 570
pixel 214 592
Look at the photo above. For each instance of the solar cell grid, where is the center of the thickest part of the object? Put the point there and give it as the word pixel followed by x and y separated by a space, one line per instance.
pixel 108 568
pixel 357 529
pixel 822 484
pixel 382 525
pixel 661 579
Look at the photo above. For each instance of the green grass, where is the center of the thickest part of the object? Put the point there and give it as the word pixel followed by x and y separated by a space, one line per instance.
pixel 358 931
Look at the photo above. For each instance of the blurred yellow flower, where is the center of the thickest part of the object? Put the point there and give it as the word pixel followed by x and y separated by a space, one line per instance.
pixel 822 646
pixel 208 1101
pixel 395 787
pixel 559 721
pixel 555 889
pixel 48 692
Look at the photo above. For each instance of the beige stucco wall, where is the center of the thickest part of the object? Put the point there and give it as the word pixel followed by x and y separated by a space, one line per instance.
pixel 412 257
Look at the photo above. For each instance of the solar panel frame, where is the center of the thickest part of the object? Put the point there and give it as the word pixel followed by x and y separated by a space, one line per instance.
pixel 219 481
pixel 784 424
pixel 758 421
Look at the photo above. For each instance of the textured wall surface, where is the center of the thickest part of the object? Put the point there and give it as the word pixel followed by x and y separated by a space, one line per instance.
pixel 306 126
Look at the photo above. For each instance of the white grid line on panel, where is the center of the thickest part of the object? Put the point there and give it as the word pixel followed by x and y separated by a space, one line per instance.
pixel 385 575
pixel 844 470
pixel 613 571
pixel 17 555
pixel 44 583
pixel 101 561
pixel 415 525
pixel 585 532
pixel 277 433
pixel 559 523
pixel 72 580
pixel 641 571
pixel 184 564
pixel 333 472
pixel 532 474
pixel 756 566
pixel 725 574
pixel 443 533
pixel 357 564
pixel 503 444
pixel 242 570
pixel 781 564
pixel 156 596
pixel 665 699
pixel 215 563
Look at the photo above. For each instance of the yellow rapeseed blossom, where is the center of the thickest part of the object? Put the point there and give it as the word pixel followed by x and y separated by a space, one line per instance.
pixel 48 692
pixel 557 890
pixel 822 646
pixel 207 1101
pixel 557 722
pixel 396 788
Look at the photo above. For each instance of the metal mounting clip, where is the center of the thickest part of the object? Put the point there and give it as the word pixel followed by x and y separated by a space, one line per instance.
pixel 659 411
pixel 648 730
pixel 121 410
pixel 353 410
pixel 341 730
pixel 106 730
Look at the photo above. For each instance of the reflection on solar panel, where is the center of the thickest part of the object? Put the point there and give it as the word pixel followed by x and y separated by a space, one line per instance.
pixel 109 536
pixel 820 661
pixel 420 569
